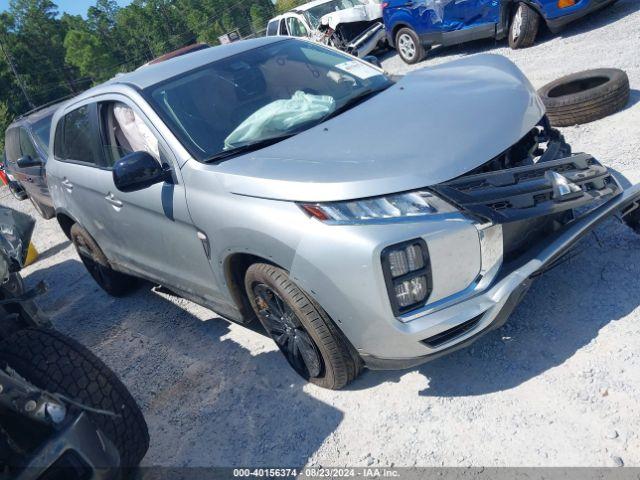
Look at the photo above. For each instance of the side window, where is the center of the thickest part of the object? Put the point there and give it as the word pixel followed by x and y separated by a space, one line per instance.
pixel 125 132
pixel 26 145
pixel 296 27
pixel 12 145
pixel 283 27
pixel 75 138
pixel 272 28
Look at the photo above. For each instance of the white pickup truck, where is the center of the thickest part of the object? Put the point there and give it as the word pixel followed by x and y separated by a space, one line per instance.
pixel 354 26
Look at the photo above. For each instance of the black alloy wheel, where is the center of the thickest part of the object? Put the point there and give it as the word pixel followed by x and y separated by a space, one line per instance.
pixel 287 331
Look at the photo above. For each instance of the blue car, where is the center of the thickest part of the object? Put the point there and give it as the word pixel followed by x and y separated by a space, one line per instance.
pixel 414 26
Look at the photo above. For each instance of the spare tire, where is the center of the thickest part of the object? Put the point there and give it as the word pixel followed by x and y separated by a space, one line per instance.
pixel 56 363
pixel 585 96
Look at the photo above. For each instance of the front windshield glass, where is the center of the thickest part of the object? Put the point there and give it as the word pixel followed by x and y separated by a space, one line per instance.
pixel 266 93
pixel 41 129
pixel 313 15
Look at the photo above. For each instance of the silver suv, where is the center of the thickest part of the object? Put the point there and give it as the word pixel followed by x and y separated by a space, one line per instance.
pixel 364 220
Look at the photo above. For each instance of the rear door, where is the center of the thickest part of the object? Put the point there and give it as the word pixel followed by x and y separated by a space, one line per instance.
pixel 442 16
pixel 458 15
pixel 77 170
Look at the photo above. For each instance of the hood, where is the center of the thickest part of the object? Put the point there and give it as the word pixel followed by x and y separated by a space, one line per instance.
pixel 360 13
pixel 433 125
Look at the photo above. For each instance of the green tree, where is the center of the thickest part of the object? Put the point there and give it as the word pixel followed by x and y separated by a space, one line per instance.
pixel 5 120
pixel 93 58
pixel 286 5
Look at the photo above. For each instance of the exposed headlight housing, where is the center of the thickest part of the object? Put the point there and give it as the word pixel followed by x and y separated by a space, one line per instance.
pixel 420 203
pixel 407 273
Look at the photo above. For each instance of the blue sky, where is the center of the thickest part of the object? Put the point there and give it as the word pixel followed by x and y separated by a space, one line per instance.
pixel 74 7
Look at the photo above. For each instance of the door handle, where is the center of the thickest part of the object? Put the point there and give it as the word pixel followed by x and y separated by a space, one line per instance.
pixel 67 184
pixel 113 200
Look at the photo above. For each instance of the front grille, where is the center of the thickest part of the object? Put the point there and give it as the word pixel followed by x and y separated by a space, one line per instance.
pixel 457 331
pixel 526 192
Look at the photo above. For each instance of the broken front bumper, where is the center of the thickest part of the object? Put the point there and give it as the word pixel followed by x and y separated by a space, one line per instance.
pixel 465 318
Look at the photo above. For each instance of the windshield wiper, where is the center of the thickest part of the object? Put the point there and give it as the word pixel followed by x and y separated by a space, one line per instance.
pixel 249 147
pixel 352 102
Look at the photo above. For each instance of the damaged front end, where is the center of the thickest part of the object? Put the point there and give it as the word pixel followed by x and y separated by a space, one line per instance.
pixel 533 190
pixel 357 30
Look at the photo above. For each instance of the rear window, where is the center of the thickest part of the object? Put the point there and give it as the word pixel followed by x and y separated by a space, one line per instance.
pixel 272 28
pixel 75 138
pixel 12 145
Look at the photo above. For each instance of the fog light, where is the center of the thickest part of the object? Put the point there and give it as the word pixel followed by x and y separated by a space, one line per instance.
pixel 566 3
pixel 398 263
pixel 403 294
pixel 407 273
pixel 411 291
pixel 415 258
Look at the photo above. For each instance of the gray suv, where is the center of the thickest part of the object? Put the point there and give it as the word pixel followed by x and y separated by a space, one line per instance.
pixel 26 152
pixel 363 220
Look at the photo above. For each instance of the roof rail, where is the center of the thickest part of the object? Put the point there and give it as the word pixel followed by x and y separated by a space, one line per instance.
pixel 42 107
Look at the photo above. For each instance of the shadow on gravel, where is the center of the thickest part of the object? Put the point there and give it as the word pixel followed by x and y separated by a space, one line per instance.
pixel 50 252
pixel 634 98
pixel 602 18
pixel 225 405
pixel 562 313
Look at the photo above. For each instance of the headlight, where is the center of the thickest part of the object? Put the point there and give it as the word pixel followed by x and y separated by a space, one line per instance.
pixel 372 210
pixel 407 273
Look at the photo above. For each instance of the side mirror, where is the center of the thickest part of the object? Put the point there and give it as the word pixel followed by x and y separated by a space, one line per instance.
pixel 372 59
pixel 28 161
pixel 137 171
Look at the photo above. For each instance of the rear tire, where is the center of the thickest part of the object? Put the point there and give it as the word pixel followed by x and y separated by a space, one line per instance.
pixel 58 364
pixel 409 47
pixel 114 283
pixel 303 331
pixel 524 26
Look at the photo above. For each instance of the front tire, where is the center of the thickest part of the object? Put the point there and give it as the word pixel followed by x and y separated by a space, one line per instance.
pixel 409 46
pixel 302 330
pixel 524 26
pixel 114 283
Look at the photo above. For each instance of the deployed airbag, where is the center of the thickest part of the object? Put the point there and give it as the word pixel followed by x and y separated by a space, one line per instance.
pixel 280 117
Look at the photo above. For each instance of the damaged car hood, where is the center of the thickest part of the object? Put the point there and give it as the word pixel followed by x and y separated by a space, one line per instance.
pixel 433 125
pixel 360 13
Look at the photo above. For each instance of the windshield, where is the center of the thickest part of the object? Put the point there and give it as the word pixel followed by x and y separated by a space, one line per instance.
pixel 265 93
pixel 41 130
pixel 313 15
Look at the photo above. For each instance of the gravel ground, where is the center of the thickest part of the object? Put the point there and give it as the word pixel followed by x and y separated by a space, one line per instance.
pixel 556 386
